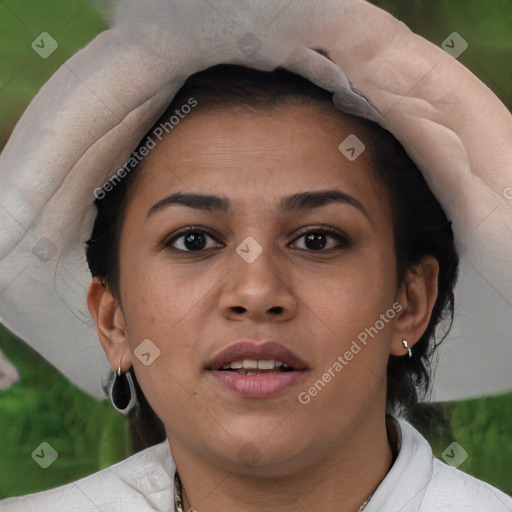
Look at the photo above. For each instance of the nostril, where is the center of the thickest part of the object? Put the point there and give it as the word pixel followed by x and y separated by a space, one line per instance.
pixel 276 310
pixel 238 309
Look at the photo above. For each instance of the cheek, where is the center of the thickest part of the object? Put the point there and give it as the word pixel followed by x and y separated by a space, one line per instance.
pixel 161 307
pixel 350 297
pixel 175 308
pixel 351 313
pixel 168 306
pixel 159 296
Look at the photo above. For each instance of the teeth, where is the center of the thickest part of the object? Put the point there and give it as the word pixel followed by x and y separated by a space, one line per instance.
pixel 254 364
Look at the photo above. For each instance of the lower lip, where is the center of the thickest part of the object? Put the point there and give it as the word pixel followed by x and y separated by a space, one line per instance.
pixel 257 386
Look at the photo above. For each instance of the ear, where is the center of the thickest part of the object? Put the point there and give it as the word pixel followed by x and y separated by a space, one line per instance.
pixel 417 296
pixel 110 325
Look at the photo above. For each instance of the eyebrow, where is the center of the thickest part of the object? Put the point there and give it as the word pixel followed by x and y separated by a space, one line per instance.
pixel 296 202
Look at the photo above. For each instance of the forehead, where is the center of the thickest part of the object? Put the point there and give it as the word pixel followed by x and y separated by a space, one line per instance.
pixel 259 156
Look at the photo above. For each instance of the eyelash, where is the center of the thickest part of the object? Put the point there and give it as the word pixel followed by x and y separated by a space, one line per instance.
pixel 343 240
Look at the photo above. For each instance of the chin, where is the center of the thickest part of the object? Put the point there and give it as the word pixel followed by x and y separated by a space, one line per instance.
pixel 258 451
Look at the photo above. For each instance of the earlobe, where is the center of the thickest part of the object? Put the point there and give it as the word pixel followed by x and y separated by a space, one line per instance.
pixel 418 296
pixel 110 325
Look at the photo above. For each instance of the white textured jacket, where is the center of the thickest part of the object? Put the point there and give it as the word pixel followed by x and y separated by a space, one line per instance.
pixel 417 482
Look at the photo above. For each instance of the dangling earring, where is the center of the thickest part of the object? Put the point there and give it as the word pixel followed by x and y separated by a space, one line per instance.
pixel 406 345
pixel 122 391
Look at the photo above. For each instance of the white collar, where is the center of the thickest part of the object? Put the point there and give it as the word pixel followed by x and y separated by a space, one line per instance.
pixel 151 473
pixel 405 484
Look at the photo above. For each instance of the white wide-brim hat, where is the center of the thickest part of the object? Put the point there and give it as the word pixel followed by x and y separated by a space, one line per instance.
pixel 84 123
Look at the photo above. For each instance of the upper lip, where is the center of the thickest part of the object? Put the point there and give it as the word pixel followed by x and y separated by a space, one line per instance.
pixel 256 350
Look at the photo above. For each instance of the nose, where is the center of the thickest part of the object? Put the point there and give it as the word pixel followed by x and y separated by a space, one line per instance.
pixel 259 291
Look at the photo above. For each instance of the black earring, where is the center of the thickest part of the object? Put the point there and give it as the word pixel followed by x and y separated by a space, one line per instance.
pixel 122 392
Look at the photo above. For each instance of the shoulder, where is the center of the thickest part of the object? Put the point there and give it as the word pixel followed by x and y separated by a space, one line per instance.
pixel 418 482
pixel 140 482
pixel 454 490
pixel 449 489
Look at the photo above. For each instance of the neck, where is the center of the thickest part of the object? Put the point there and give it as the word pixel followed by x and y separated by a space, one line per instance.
pixel 340 480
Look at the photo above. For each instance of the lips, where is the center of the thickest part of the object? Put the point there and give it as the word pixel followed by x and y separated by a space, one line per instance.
pixel 257 370
pixel 248 352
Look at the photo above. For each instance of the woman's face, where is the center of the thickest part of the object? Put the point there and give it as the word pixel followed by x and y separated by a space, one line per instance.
pixel 271 257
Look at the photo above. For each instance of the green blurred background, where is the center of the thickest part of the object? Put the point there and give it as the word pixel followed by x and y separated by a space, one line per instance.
pixel 88 435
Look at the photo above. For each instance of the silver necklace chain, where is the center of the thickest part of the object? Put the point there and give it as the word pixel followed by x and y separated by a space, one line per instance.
pixel 363 506
pixel 178 498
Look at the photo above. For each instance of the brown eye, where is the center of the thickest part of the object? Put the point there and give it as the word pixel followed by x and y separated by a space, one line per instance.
pixel 193 240
pixel 321 240
pixel 316 240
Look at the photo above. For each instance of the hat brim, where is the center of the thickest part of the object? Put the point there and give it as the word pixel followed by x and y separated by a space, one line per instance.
pixel 86 120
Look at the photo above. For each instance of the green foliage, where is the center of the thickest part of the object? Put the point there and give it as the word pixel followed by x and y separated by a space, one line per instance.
pixel 484 24
pixel 482 427
pixel 43 406
pixel 72 23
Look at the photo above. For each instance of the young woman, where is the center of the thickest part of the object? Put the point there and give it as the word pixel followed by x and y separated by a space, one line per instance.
pixel 272 270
